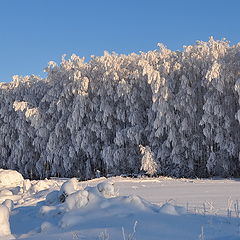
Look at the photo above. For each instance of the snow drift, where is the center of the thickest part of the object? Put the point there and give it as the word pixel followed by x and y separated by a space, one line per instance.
pixel 95 210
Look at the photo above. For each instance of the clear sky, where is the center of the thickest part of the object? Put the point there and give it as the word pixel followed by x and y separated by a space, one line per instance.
pixel 33 32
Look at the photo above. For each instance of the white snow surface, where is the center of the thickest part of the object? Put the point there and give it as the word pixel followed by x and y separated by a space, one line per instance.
pixel 5 232
pixel 122 208
pixel 10 177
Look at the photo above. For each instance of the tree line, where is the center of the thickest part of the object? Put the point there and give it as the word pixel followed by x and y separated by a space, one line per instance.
pixel 181 107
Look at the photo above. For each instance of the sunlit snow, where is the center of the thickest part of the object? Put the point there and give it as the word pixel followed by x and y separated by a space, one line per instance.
pixel 120 208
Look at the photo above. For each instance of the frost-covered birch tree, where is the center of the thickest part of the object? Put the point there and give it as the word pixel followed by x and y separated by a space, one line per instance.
pixel 86 117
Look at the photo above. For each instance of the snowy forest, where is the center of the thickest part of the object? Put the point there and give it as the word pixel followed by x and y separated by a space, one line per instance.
pixel 174 113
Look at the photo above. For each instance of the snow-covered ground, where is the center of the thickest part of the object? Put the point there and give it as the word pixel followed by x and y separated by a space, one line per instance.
pixel 119 209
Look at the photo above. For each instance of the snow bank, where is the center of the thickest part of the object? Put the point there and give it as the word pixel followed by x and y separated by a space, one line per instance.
pixel 102 196
pixel 101 202
pixel 10 178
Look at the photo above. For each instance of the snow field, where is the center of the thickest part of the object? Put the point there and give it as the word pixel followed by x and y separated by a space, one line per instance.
pixel 120 208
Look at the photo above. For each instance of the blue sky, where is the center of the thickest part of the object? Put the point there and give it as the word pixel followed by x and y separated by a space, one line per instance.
pixel 33 32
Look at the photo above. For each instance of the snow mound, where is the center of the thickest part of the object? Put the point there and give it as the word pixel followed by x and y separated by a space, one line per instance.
pixel 67 188
pixel 106 189
pixel 168 208
pixel 101 202
pixel 77 200
pixel 10 178
pixel 137 202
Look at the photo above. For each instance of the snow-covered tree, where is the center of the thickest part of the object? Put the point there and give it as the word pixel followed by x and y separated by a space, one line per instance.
pixel 183 106
pixel 148 163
